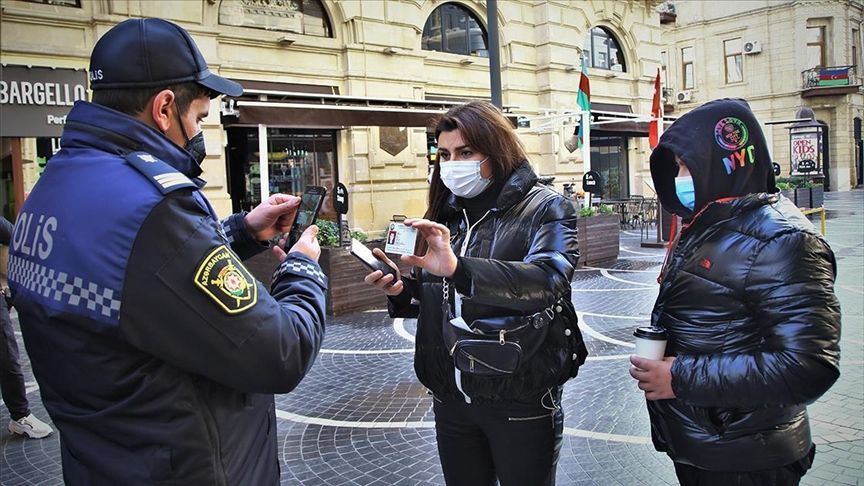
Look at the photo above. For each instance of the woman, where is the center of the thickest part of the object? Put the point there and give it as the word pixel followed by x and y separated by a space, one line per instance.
pixel 499 249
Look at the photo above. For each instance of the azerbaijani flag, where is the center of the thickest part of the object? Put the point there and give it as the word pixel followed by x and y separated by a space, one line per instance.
pixel 655 126
pixel 583 100
pixel 834 76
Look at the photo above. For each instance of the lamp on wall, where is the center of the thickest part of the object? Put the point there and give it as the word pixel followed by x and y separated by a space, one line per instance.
pixel 570 68
pixel 286 40
pixel 390 50
pixel 466 61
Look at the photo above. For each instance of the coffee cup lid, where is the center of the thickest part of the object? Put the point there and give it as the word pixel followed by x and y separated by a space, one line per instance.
pixel 652 333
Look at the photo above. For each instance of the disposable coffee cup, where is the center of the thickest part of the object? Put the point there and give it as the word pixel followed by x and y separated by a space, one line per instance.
pixel 650 342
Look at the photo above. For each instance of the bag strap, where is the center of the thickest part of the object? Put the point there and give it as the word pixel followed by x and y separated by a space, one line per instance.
pixel 538 319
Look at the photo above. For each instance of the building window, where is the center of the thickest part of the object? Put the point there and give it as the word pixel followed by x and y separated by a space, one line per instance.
pixel 856 49
pixel 453 28
pixel 63 3
pixel 689 75
pixel 815 46
pixel 602 51
pixel 734 59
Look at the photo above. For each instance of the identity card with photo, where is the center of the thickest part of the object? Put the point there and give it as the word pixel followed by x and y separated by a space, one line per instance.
pixel 400 239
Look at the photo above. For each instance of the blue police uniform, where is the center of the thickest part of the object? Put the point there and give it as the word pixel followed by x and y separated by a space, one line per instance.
pixel 156 351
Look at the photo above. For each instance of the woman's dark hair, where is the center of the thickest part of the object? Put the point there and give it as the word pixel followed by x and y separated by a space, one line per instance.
pixel 133 101
pixel 485 129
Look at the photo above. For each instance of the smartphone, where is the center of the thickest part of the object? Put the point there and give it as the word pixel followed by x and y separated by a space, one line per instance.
pixel 307 213
pixel 366 256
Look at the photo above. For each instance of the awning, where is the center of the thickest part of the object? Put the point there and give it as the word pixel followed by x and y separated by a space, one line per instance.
pixel 322 107
pixel 624 128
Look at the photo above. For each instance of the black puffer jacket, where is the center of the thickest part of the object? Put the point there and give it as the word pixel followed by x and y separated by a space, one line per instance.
pixel 519 260
pixel 748 301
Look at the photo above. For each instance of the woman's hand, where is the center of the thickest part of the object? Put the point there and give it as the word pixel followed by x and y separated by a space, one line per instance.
pixel 654 376
pixel 385 282
pixel 439 259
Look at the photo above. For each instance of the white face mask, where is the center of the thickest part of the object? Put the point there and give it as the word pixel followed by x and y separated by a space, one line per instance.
pixel 463 177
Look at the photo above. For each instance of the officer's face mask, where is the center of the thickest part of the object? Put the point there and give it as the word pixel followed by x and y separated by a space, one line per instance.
pixel 685 191
pixel 194 145
pixel 463 177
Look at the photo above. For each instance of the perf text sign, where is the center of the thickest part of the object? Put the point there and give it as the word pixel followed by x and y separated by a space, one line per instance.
pixel 34 101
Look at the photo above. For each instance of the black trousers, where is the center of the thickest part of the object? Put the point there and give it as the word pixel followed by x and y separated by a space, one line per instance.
pixel 788 475
pixel 11 377
pixel 517 444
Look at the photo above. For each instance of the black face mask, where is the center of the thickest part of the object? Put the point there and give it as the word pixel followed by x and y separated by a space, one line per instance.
pixel 194 145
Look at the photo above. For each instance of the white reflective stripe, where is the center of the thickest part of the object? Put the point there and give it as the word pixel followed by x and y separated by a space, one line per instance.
pixel 458 376
pixel 171 179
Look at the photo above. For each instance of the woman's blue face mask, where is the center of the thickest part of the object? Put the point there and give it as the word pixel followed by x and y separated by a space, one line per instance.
pixel 686 193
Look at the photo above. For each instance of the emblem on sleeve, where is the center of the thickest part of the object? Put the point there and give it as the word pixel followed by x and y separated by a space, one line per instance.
pixel 225 280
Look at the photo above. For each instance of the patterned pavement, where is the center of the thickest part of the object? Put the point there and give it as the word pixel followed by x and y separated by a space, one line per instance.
pixel 361 417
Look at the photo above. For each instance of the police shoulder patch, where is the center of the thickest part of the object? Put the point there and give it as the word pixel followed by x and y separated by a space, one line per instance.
pixel 162 175
pixel 224 279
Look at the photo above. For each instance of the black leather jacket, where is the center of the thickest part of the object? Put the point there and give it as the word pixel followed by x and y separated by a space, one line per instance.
pixel 519 260
pixel 747 298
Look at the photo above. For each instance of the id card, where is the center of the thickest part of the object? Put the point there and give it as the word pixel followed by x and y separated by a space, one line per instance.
pixel 400 239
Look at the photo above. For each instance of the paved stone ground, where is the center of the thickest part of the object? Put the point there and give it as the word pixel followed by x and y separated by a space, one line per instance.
pixel 361 417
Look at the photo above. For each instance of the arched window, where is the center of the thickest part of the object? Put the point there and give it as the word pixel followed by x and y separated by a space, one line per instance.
pixel 307 17
pixel 602 51
pixel 453 28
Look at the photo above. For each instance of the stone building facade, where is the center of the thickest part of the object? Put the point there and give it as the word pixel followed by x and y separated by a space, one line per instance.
pixel 343 91
pixel 780 56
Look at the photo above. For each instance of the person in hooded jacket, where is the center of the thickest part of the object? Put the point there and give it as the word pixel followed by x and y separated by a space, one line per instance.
pixel 495 243
pixel 747 299
pixel 156 352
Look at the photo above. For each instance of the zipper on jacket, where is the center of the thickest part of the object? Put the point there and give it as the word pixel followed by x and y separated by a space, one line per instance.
pixel 210 423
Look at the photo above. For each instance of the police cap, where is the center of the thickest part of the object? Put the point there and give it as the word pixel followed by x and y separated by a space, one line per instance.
pixel 145 53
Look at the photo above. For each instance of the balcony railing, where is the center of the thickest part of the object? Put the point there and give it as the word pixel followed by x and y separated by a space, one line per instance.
pixel 822 77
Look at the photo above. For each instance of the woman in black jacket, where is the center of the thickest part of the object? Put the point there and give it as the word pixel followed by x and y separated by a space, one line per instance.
pixel 747 297
pixel 498 249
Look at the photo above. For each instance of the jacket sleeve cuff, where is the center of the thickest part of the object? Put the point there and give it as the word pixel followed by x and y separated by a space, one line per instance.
pixel 299 265
pixel 461 279
pixel 404 304
pixel 242 242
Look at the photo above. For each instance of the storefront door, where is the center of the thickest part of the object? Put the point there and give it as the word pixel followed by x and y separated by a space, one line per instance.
pixel 609 158
pixel 294 159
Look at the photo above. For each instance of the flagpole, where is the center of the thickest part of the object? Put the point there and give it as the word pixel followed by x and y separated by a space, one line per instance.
pixel 586 147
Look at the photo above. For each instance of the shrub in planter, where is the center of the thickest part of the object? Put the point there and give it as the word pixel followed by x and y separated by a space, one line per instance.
pixel 786 190
pixel 598 234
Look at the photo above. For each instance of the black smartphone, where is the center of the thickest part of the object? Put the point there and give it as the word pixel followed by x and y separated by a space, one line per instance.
pixel 307 213
pixel 366 256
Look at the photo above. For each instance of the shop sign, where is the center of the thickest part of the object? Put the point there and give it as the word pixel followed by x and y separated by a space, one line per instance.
pixel 34 101
pixel 806 156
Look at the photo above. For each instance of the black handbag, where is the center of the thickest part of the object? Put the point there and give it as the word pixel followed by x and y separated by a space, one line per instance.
pixel 495 346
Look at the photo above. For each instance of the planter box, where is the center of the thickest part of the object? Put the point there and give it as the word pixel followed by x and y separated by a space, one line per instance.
pixel 817 197
pixel 598 238
pixel 347 291
pixel 789 194
pixel 802 197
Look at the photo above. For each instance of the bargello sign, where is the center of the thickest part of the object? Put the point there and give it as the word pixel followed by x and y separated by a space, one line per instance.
pixel 34 101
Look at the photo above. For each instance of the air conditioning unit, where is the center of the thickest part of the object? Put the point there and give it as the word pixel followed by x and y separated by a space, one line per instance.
pixel 752 47
pixel 684 96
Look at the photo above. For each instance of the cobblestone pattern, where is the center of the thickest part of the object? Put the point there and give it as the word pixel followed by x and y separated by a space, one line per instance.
pixel 364 381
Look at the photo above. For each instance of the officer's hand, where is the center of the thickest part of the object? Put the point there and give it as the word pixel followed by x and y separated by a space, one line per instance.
pixel 272 217
pixel 307 244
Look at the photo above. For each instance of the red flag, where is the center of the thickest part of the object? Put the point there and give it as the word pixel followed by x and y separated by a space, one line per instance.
pixel 655 126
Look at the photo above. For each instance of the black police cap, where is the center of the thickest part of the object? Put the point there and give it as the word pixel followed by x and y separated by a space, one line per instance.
pixel 145 53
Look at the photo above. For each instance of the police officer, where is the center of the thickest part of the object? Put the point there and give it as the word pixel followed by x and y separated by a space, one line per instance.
pixel 156 351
